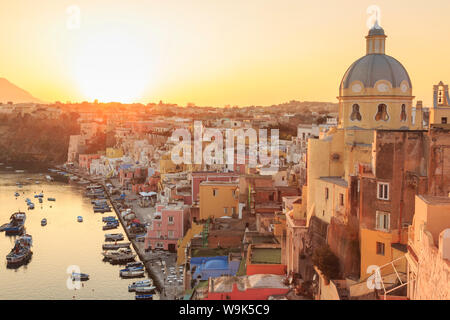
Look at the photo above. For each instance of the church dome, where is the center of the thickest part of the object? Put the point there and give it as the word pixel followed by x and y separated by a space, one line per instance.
pixel 375 67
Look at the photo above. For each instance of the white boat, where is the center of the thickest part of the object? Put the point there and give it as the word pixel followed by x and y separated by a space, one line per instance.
pixel 49 178
pixel 132 273
pixel 142 283
pixel 80 219
pixel 80 276
pixel 148 289
pixel 115 246
pixel 115 253
pixel 114 237
pixel 137 264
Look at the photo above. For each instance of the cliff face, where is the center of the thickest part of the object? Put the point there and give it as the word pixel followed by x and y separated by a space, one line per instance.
pixel 25 139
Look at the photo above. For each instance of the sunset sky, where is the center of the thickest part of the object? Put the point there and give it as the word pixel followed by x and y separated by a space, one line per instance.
pixel 212 52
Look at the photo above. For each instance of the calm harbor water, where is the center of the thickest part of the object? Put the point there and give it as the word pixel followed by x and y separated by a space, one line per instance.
pixel 62 243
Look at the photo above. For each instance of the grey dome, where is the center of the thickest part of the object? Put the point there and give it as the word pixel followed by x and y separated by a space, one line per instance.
pixel 376 31
pixel 374 67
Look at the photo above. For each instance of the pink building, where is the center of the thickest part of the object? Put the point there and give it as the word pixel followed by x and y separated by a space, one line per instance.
pixel 85 160
pixel 168 226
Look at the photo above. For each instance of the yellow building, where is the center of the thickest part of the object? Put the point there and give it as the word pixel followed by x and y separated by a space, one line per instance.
pixel 440 113
pixel 114 153
pixel 218 199
pixel 375 94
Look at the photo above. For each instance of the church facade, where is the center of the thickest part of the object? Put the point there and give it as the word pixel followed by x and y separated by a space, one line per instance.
pixel 363 176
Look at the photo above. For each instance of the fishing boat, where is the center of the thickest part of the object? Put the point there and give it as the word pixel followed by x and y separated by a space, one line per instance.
pixel 40 200
pixel 21 252
pixel 18 216
pixel 30 206
pixel 121 251
pixel 111 225
pixel 115 246
pixel 147 289
pixel 51 199
pixel 144 297
pixel 143 283
pixel 109 219
pixel 44 222
pixel 80 276
pixel 122 258
pixel 40 195
pixel 137 264
pixel 80 219
pixel 114 237
pixel 16 194
pixel 132 273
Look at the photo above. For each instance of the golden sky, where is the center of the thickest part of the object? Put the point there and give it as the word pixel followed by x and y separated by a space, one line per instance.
pixel 212 52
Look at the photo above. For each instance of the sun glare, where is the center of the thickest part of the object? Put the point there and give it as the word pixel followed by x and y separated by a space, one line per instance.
pixel 112 68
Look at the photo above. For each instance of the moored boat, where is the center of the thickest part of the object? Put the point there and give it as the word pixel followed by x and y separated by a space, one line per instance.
pixel 142 283
pixel 144 297
pixel 115 246
pixel 137 264
pixel 109 219
pixel 80 219
pixel 51 199
pixel 111 225
pixel 108 254
pixel 44 222
pixel 114 237
pixel 147 289
pixel 21 252
pixel 132 273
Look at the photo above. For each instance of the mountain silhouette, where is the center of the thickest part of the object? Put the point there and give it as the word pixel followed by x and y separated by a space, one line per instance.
pixel 11 92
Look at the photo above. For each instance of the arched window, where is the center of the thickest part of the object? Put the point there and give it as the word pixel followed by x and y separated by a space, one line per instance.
pixel 356 115
pixel 382 113
pixel 403 114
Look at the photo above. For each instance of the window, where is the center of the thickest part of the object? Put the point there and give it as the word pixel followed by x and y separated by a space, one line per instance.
pixel 327 193
pixel 341 199
pixel 383 191
pixel 215 192
pixel 356 115
pixel 380 248
pixel 383 221
pixel 171 220
pixel 444 120
pixel 171 234
pixel 403 114
pixel 225 210
pixel 233 210
pixel 382 113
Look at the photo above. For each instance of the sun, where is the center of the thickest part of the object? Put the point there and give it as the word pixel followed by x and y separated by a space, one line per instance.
pixel 112 68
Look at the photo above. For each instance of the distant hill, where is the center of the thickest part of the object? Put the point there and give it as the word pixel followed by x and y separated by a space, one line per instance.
pixel 11 92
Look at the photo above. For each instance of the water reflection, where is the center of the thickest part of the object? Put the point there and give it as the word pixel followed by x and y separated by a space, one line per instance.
pixel 63 242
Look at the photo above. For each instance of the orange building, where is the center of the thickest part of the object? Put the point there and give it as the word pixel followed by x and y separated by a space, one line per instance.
pixel 218 199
